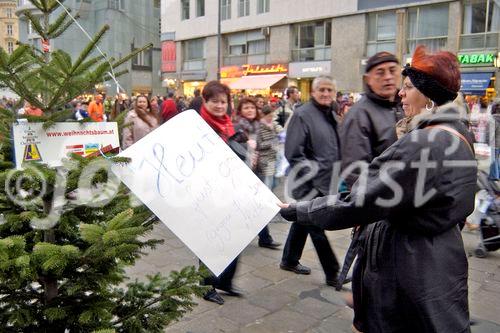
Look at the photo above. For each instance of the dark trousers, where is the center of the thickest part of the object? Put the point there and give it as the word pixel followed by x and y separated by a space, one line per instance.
pixel 294 246
pixel 225 279
pixel 265 236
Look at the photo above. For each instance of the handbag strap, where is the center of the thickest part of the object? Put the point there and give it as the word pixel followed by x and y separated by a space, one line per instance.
pixel 455 133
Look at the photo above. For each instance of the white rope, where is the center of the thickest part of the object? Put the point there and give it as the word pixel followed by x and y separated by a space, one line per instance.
pixel 112 73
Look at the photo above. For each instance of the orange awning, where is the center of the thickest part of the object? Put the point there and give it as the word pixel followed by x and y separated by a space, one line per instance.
pixel 256 81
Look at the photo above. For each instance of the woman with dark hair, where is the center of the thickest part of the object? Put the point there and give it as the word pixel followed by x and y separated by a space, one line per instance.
pixel 216 97
pixel 247 121
pixel 139 122
pixel 411 272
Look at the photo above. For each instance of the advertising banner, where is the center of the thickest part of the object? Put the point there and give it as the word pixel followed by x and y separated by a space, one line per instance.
pixel 33 143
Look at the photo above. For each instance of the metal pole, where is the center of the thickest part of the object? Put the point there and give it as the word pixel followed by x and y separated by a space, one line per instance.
pixel 218 41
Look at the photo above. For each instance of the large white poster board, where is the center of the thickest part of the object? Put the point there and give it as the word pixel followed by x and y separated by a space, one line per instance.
pixel 34 144
pixel 198 188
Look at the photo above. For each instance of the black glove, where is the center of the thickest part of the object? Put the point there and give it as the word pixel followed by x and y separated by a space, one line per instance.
pixel 290 213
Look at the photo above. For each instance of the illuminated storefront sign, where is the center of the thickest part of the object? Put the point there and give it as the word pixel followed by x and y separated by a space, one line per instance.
pixel 476 59
pixel 248 70
pixel 309 69
pixel 265 69
pixel 231 72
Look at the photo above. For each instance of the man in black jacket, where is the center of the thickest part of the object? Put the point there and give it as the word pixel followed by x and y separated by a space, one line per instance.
pixel 312 147
pixel 369 127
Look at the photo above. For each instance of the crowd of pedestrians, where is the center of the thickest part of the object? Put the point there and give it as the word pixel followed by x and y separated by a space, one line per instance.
pixel 410 269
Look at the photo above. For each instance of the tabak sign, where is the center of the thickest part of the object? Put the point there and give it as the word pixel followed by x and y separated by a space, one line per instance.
pixel 247 70
pixel 477 59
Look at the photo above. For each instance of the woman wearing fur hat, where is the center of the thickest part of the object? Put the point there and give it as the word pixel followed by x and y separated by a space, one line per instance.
pixel 413 268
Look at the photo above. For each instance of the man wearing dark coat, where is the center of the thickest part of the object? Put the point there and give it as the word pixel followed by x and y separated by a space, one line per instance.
pixel 312 147
pixel 369 127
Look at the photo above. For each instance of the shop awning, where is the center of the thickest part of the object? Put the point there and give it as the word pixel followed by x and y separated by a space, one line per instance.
pixel 475 83
pixel 256 81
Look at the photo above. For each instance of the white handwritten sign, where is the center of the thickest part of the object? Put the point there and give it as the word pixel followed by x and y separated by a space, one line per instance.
pixel 199 188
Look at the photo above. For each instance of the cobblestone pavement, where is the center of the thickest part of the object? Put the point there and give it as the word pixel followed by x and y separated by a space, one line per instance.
pixel 280 301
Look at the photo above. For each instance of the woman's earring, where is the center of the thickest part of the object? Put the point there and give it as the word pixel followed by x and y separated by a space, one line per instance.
pixel 430 108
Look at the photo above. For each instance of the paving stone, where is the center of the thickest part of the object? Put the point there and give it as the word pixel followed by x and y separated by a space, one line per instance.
pixel 473 286
pixel 271 298
pixel 333 296
pixel 283 321
pixel 273 254
pixel 296 285
pixel 207 323
pixel 250 283
pixel 482 265
pixel 243 269
pixel 483 326
pixel 256 260
pixel 492 286
pixel 242 313
pixel 271 273
pixel 315 308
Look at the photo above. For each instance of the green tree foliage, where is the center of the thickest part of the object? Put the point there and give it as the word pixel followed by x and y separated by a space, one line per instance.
pixel 63 259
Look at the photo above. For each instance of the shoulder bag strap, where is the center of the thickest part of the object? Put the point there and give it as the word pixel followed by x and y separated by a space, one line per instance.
pixel 455 133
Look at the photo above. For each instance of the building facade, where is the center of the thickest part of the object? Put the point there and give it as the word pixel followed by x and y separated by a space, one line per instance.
pixel 9 28
pixel 268 44
pixel 133 24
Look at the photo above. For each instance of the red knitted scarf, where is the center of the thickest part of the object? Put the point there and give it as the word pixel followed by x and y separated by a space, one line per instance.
pixel 221 125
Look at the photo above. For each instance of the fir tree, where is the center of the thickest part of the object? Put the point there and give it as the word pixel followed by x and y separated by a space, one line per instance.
pixel 62 260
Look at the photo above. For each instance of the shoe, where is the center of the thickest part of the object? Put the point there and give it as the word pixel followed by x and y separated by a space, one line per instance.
pixel 230 291
pixel 297 269
pixel 213 296
pixel 335 282
pixel 271 245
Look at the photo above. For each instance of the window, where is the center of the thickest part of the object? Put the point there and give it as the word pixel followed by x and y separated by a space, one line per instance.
pixel 116 4
pixel 381 33
pixel 243 8
pixel 194 54
pixel 481 24
pixel 142 60
pixel 10 47
pixel 9 30
pixel 250 47
pixel 429 26
pixel 184 9
pixel 262 6
pixel 8 12
pixel 157 3
pixel 312 41
pixel 200 8
pixel 225 10
pixel 30 28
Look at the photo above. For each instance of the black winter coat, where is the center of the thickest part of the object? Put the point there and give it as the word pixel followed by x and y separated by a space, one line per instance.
pixel 413 267
pixel 367 130
pixel 312 138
